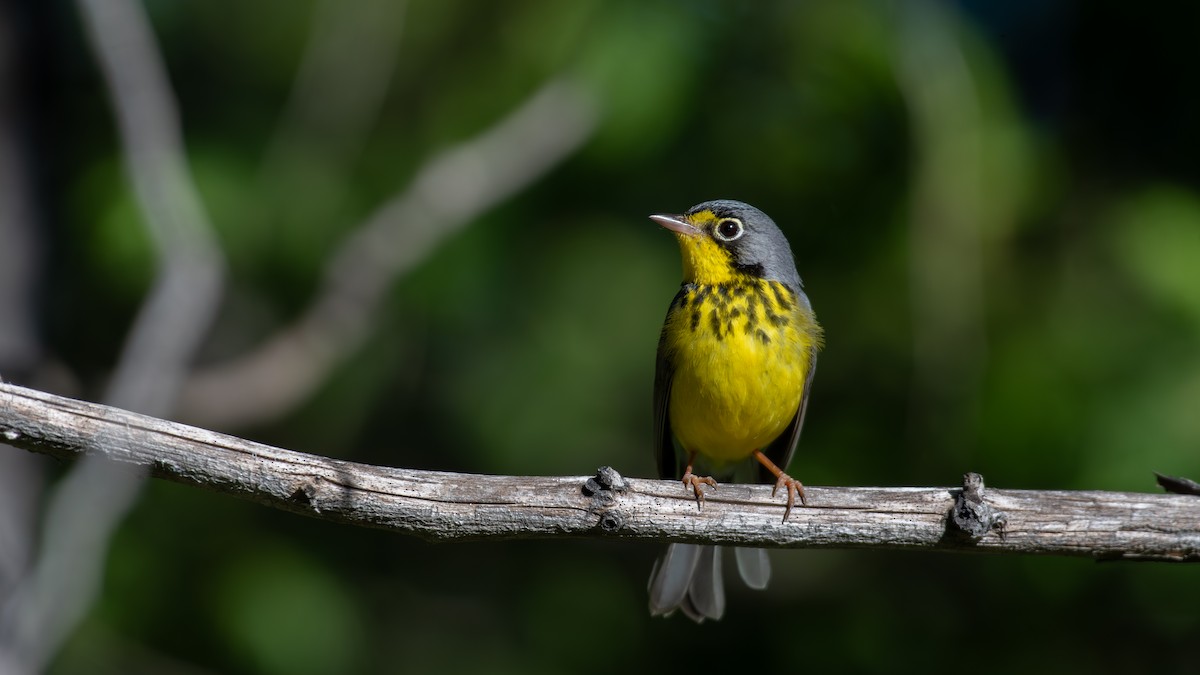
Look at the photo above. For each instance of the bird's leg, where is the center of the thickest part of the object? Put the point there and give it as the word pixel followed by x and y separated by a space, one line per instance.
pixel 693 481
pixel 783 480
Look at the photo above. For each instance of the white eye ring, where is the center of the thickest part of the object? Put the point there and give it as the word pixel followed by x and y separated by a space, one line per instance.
pixel 728 229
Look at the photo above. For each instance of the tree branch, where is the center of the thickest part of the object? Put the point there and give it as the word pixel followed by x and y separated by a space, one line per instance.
pixel 448 192
pixel 339 88
pixel 177 313
pixel 87 505
pixel 21 261
pixel 451 506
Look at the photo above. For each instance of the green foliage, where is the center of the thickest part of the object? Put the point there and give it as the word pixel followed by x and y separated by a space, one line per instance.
pixel 639 57
pixel 546 370
pixel 108 224
pixel 283 613
pixel 1156 238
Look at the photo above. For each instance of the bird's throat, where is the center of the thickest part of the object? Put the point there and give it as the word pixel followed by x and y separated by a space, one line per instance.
pixel 704 262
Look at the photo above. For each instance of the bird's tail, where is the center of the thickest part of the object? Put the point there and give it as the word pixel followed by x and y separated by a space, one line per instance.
pixel 688 578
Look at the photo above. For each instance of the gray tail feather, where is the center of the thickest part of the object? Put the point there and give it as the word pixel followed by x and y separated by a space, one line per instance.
pixel 672 577
pixel 754 566
pixel 688 578
pixel 707 593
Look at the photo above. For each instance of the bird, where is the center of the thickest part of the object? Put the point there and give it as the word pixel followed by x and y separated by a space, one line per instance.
pixel 734 368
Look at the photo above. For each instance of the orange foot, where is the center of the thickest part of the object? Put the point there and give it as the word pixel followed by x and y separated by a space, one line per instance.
pixel 690 479
pixel 794 487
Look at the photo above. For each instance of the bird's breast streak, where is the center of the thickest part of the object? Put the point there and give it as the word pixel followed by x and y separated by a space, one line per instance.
pixel 740 359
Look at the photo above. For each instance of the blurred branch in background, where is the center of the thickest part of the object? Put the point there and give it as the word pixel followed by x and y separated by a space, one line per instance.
pixel 451 506
pixel 451 190
pixel 448 192
pixel 20 244
pixel 87 505
pixel 335 99
pixel 20 269
pixel 946 214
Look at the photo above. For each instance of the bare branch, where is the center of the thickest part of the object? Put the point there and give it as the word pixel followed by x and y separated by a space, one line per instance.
pixel 339 87
pixel 20 271
pixel 20 489
pixel 92 500
pixel 20 236
pixel 451 506
pixel 948 210
pixel 176 316
pixel 450 191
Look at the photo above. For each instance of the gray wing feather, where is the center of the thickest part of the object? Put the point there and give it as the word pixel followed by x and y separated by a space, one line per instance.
pixel 664 444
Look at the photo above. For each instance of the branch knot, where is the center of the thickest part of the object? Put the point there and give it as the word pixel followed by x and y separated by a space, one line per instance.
pixel 971 515
pixel 605 483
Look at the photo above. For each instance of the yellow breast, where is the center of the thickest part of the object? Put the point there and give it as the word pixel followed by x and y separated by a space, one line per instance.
pixel 740 354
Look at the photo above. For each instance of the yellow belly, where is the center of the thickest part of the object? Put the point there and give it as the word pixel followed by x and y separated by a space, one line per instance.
pixel 737 383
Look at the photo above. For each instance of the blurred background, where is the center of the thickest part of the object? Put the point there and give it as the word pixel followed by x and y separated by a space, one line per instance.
pixel 414 234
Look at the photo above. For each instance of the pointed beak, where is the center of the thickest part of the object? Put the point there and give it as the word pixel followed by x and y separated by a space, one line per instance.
pixel 677 225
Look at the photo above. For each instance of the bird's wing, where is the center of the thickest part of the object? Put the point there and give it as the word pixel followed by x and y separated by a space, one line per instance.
pixel 781 449
pixel 664 443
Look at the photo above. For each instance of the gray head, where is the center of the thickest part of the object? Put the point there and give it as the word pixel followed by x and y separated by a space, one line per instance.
pixel 724 239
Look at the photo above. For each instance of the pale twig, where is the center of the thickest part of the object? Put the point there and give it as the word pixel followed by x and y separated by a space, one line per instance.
pixel 20 243
pixel 91 501
pixel 20 269
pixel 450 191
pixel 339 88
pixel 452 506
pixel 947 210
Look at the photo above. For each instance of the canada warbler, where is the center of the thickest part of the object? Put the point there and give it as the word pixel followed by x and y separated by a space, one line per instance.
pixel 735 364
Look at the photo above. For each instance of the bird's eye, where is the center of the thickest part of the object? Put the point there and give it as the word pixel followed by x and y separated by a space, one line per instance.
pixel 729 229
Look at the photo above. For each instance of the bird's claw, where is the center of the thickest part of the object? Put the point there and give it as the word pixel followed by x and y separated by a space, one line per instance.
pixel 694 481
pixel 794 487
